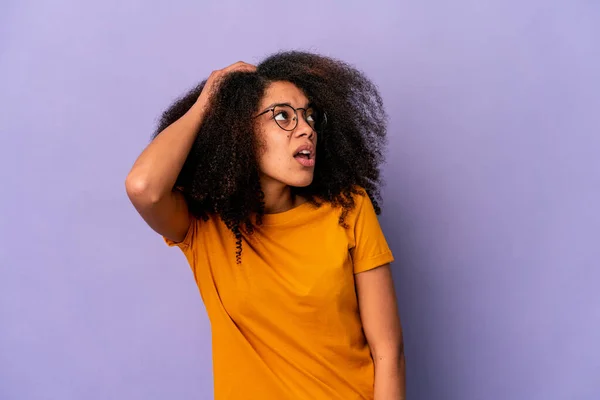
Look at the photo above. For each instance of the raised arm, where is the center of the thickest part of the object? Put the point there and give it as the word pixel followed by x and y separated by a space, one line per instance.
pixel 150 182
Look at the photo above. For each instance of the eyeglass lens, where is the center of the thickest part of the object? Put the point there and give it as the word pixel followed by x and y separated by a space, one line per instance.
pixel 287 118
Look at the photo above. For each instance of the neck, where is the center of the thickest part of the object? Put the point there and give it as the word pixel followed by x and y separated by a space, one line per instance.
pixel 278 200
pixel 278 197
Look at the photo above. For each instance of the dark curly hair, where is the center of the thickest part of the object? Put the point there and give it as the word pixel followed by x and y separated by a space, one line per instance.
pixel 221 176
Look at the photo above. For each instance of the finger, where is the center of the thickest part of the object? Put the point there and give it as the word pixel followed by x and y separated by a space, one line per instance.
pixel 240 65
pixel 216 76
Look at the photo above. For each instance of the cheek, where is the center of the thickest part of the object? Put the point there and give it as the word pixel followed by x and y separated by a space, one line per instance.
pixel 274 153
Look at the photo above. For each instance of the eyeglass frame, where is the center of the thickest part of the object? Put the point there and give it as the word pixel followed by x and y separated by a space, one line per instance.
pixel 272 108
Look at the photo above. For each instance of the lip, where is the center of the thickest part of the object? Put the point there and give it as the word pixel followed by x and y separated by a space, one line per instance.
pixel 308 147
pixel 306 162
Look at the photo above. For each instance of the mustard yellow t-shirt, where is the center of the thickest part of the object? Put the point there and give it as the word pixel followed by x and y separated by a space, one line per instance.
pixel 285 322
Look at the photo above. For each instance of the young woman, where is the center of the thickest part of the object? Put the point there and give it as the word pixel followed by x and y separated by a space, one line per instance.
pixel 267 178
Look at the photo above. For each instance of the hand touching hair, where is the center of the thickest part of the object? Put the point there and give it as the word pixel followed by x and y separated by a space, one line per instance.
pixel 221 174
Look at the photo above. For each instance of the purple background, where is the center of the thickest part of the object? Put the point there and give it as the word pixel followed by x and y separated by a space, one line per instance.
pixel 491 205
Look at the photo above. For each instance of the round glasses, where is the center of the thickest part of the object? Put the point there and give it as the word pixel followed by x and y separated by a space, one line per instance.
pixel 286 117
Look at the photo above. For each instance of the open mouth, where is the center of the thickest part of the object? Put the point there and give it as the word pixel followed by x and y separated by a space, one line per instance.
pixel 305 158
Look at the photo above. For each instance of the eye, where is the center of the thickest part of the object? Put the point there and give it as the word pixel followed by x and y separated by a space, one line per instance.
pixel 282 116
pixel 312 116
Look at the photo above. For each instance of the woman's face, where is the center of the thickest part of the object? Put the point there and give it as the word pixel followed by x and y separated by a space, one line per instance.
pixel 287 157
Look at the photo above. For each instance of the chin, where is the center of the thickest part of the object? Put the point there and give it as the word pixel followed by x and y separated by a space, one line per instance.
pixel 300 181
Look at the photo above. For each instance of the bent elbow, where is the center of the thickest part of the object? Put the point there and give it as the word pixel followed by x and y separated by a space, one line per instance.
pixel 139 191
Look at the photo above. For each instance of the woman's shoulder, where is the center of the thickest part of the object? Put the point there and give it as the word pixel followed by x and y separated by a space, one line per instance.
pixel 349 206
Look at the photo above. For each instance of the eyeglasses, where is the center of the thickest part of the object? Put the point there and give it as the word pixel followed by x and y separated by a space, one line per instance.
pixel 286 117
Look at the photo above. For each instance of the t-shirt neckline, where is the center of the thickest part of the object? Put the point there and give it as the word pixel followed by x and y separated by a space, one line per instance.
pixel 286 216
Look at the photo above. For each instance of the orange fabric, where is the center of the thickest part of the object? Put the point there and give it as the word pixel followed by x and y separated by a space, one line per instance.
pixel 285 323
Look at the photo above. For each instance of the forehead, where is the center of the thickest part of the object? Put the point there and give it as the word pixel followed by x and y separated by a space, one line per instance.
pixel 284 92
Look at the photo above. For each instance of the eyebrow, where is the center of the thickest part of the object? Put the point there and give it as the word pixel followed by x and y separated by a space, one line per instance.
pixel 308 105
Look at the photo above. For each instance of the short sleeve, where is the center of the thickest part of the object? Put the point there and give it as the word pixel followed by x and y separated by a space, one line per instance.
pixel 369 248
pixel 187 242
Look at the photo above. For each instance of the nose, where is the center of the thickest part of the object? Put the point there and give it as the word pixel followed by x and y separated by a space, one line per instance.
pixel 303 128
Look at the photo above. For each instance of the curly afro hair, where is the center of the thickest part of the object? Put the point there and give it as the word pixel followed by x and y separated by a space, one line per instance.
pixel 221 176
